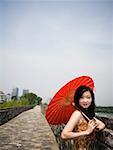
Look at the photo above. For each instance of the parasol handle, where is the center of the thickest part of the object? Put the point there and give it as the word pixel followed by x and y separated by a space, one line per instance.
pixel 81 112
pixel 85 115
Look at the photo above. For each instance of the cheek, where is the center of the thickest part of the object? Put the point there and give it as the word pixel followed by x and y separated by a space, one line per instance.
pixel 80 102
pixel 90 101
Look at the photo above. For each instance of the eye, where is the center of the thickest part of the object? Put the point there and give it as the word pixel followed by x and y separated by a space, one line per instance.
pixel 88 97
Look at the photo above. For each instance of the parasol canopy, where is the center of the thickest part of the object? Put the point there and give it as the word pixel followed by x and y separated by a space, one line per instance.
pixel 61 106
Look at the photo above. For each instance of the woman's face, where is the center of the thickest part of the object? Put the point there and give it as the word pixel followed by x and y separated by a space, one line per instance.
pixel 85 100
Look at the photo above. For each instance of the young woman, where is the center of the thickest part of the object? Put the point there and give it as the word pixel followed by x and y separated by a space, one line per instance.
pixel 79 127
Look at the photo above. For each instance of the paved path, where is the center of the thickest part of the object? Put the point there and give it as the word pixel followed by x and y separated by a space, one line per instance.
pixel 27 131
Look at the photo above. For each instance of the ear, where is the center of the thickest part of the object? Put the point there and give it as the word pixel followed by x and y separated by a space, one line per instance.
pixel 94 90
pixel 73 103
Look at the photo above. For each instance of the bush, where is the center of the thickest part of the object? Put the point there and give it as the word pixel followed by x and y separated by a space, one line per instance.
pixel 14 103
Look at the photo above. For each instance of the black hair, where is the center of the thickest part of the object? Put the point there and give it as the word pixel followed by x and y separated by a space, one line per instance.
pixel 78 94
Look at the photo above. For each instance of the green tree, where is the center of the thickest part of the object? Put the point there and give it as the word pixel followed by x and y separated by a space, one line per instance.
pixel 32 98
pixel 38 100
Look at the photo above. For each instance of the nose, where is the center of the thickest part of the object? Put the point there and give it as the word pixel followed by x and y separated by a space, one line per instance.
pixel 85 99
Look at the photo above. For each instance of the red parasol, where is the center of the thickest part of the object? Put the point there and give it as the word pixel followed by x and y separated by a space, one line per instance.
pixel 60 107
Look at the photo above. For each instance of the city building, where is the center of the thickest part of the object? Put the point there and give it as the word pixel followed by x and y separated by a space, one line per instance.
pixel 15 93
pixel 2 97
pixel 8 96
pixel 25 91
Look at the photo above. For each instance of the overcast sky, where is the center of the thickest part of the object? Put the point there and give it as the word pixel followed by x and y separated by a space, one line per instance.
pixel 45 44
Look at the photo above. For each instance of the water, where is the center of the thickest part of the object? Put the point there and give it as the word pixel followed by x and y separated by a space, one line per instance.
pixel 109 115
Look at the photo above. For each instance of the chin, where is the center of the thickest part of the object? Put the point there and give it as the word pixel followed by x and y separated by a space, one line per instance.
pixel 85 107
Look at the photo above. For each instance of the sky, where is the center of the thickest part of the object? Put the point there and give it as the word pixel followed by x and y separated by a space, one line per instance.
pixel 45 44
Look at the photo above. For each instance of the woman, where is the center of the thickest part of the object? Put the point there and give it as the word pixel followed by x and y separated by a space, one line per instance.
pixel 79 127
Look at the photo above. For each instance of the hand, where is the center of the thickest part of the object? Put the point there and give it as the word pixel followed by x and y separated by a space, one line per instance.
pixel 91 126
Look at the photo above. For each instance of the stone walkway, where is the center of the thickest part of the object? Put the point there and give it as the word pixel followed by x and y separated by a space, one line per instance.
pixel 27 131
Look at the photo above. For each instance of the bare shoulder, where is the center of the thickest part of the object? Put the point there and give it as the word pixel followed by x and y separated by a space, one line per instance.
pixel 74 119
pixel 76 115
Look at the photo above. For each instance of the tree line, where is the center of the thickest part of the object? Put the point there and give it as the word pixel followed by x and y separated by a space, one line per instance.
pixel 25 100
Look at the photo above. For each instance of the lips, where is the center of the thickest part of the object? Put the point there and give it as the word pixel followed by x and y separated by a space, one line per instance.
pixel 85 105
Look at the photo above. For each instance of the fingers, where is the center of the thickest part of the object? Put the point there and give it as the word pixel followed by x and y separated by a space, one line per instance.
pixel 92 123
pixel 91 127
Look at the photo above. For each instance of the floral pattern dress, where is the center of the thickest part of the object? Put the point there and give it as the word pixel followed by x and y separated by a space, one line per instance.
pixel 83 142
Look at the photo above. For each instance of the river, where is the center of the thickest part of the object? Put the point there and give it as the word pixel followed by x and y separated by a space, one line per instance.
pixel 110 115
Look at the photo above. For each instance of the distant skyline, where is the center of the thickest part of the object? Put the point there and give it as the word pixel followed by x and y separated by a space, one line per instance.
pixel 45 44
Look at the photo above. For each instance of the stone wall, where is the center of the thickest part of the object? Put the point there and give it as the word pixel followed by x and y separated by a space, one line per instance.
pixel 108 122
pixel 28 131
pixel 7 114
pixel 104 139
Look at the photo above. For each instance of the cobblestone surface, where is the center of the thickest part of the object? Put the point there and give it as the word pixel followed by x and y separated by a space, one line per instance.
pixel 27 131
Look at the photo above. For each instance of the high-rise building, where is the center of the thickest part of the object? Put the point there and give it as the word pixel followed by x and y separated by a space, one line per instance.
pixel 2 97
pixel 8 96
pixel 15 92
pixel 25 91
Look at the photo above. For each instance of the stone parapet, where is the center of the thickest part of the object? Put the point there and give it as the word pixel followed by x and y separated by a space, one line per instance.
pixel 108 121
pixel 27 131
pixel 104 139
pixel 7 114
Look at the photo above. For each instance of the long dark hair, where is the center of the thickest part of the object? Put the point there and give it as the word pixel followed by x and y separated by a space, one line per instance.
pixel 78 94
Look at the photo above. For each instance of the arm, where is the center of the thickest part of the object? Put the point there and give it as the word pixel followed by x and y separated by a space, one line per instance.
pixel 100 124
pixel 67 132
